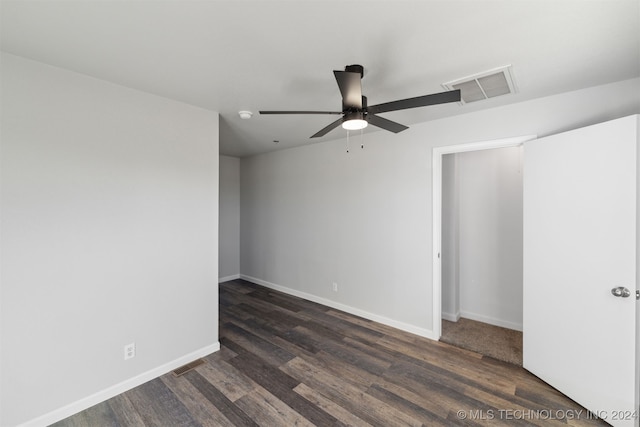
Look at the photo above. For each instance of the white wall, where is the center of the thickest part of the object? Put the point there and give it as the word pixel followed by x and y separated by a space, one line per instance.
pixel 637 385
pixel 109 236
pixel 229 242
pixel 315 215
pixel 488 190
pixel 450 230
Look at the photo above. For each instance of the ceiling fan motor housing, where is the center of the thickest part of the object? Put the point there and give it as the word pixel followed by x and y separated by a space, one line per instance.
pixel 347 109
pixel 354 115
pixel 355 69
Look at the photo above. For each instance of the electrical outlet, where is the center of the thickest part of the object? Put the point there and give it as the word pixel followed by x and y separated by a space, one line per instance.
pixel 335 287
pixel 130 351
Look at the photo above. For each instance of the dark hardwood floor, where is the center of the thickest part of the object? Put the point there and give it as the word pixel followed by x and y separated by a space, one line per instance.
pixel 285 361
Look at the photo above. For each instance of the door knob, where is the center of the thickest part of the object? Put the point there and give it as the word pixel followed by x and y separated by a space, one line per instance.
pixel 621 291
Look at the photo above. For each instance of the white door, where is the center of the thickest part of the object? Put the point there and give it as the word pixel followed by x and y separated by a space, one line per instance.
pixel 579 244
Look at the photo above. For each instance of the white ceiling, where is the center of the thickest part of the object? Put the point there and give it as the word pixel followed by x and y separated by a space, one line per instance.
pixel 251 55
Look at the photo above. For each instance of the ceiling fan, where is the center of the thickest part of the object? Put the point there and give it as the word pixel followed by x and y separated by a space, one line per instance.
pixel 356 114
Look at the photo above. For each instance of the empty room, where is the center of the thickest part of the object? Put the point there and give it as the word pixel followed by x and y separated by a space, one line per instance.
pixel 241 213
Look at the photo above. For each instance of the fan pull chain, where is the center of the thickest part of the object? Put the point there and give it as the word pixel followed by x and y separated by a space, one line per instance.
pixel 347 141
pixel 361 139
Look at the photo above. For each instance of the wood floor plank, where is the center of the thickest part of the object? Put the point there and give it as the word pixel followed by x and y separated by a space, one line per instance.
pixel 279 320
pixel 100 414
pixel 198 406
pixel 299 338
pixel 267 410
pixel 512 403
pixel 456 366
pixel 343 327
pixel 425 401
pixel 124 412
pixel 419 412
pixel 215 396
pixel 353 356
pixel 237 311
pixel 330 406
pixel 239 286
pixel 275 300
pixel 424 382
pixel 547 400
pixel 257 345
pixel 226 378
pixel 370 324
pixel 254 308
pixel 352 372
pixel 262 372
pixel 159 406
pixel 221 355
pixel 281 386
pixel 289 340
pixel 322 332
pixel 352 398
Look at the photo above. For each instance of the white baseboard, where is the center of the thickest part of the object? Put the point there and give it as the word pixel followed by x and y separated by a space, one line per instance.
pixel 492 321
pixel 451 317
pixel 108 393
pixel 228 278
pixel 427 333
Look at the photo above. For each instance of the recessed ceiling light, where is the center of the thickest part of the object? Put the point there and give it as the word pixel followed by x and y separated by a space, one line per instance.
pixel 245 115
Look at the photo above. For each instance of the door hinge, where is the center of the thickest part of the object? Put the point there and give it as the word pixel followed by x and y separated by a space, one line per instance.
pixel 637 294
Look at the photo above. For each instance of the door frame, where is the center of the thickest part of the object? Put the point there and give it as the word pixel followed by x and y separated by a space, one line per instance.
pixel 436 194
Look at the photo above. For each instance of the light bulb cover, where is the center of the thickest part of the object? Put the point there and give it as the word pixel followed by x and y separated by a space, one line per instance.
pixel 354 121
pixel 245 115
pixel 354 124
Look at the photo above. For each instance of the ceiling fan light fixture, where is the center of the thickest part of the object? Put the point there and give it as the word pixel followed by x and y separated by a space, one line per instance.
pixel 354 121
pixel 354 124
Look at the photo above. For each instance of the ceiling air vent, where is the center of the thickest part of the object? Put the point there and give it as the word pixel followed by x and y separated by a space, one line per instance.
pixel 489 84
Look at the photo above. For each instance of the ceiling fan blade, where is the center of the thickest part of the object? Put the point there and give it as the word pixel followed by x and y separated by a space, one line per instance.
pixel 300 112
pixel 327 129
pixel 350 88
pixel 385 124
pixel 419 101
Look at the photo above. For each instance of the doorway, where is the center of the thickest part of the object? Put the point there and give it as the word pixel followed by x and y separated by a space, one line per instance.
pixel 482 252
pixel 451 298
